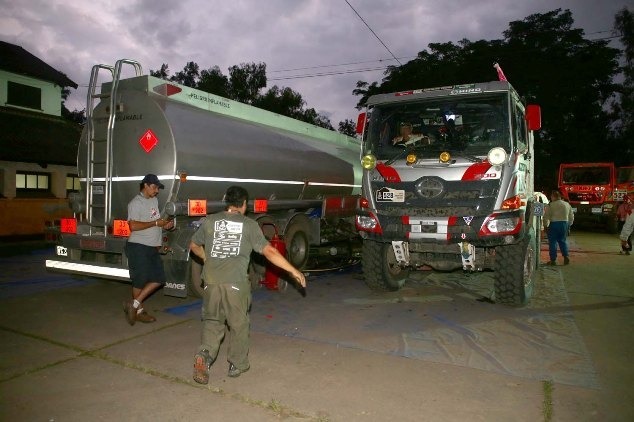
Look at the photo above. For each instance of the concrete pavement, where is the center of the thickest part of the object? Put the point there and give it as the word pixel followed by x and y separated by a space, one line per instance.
pixel 66 352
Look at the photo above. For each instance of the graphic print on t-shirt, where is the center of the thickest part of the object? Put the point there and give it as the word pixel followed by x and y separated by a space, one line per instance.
pixel 227 237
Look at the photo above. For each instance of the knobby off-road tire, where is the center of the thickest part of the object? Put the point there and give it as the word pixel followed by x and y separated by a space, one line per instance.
pixel 380 269
pixel 515 271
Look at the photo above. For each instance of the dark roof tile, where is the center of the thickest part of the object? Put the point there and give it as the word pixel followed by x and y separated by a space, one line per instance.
pixel 15 59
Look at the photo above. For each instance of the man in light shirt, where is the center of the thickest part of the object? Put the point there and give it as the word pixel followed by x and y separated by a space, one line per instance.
pixel 626 233
pixel 558 217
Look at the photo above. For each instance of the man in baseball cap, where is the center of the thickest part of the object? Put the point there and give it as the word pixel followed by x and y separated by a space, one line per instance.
pixel 142 248
pixel 152 179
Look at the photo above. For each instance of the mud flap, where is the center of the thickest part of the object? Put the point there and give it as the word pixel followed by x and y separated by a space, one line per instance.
pixel 175 272
pixel 401 251
pixel 467 253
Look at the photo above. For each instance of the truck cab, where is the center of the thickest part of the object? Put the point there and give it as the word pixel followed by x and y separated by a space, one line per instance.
pixel 448 184
pixel 590 188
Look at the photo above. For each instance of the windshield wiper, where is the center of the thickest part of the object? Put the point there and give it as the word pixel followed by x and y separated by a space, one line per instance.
pixel 397 156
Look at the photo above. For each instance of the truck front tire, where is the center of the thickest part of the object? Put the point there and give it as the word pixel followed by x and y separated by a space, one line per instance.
pixel 515 271
pixel 380 268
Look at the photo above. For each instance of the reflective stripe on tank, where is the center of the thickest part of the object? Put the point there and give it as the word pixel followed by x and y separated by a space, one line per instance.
pixel 225 179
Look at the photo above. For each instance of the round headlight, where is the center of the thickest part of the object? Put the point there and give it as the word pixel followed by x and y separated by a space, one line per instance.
pixel 496 156
pixel 368 162
pixel 444 157
pixel 411 159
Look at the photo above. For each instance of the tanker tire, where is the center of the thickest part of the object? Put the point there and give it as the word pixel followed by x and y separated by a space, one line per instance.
pixel 196 286
pixel 515 271
pixel 381 273
pixel 297 245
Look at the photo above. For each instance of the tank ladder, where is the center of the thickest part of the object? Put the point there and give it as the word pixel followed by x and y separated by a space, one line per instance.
pixel 99 149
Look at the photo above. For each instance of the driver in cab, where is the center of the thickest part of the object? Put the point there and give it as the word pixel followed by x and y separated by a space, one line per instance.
pixel 408 138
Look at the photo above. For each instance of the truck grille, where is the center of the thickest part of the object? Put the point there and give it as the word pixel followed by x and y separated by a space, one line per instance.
pixel 423 211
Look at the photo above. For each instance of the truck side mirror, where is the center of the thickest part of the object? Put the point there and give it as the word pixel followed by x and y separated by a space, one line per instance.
pixel 361 123
pixel 533 117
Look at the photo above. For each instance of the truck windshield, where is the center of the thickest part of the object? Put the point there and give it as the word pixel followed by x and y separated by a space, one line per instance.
pixel 469 125
pixel 585 176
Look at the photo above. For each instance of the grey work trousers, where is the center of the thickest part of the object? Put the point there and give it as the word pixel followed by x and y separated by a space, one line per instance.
pixel 227 303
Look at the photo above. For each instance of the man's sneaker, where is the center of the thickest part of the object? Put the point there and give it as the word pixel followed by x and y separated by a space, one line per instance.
pixel 202 363
pixel 145 317
pixel 234 372
pixel 566 260
pixel 130 312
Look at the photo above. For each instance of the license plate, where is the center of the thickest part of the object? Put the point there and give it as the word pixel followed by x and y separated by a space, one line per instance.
pixel 596 210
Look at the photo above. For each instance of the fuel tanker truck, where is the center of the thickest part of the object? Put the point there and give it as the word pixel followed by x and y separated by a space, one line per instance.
pixel 304 180
pixel 448 185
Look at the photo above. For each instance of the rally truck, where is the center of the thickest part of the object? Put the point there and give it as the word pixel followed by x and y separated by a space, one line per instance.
pixel 590 188
pixel 304 180
pixel 448 185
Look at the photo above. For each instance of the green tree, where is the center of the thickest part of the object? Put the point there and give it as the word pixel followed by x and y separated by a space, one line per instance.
pixel 188 76
pixel 162 73
pixel 623 106
pixel 246 80
pixel 348 127
pixel 213 81
pixel 283 101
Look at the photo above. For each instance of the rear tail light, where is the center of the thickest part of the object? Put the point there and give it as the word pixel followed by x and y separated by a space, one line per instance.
pixel 68 225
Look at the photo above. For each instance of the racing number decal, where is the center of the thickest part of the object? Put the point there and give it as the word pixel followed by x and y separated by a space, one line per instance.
pixel 390 195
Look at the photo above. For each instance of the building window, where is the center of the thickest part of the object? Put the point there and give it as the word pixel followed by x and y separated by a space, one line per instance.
pixel 72 183
pixel 24 95
pixel 32 184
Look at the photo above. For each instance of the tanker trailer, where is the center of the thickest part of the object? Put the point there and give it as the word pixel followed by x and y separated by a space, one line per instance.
pixel 304 180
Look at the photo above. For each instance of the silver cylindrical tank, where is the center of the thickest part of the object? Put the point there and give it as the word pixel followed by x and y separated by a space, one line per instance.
pixel 270 155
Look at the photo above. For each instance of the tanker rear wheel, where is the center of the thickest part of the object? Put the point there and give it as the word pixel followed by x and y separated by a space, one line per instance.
pixel 196 285
pixel 297 246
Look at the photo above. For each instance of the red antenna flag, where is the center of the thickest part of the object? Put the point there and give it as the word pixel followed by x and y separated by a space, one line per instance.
pixel 500 73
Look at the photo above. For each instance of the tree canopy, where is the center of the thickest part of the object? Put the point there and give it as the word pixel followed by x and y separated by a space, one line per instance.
pixel 550 63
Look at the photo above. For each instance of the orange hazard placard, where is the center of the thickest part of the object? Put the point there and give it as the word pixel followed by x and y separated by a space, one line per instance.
pixel 197 207
pixel 120 228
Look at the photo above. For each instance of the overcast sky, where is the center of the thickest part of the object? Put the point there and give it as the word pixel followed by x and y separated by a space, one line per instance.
pixel 294 38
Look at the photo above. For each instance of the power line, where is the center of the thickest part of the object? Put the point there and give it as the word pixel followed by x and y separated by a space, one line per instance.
pixel 333 73
pixel 374 33
pixel 341 64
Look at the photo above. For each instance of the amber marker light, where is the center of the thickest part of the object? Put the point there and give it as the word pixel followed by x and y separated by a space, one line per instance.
pixel 444 157
pixel 368 162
